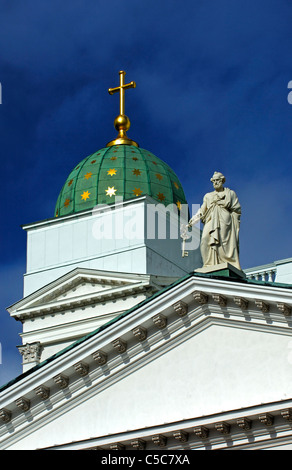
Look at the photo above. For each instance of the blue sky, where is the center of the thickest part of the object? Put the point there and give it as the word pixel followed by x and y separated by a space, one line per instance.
pixel 211 94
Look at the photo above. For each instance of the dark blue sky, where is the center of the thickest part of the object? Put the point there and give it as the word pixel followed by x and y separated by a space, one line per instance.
pixel 211 94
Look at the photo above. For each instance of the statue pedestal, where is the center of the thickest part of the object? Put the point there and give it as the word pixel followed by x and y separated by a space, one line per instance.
pixel 222 269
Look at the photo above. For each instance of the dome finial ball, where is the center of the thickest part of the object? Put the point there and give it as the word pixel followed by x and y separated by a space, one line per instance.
pixel 122 122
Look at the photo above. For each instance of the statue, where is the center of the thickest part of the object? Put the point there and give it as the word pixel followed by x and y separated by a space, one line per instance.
pixel 220 214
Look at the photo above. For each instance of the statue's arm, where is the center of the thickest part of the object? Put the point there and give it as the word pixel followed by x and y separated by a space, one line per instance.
pixel 199 214
pixel 195 219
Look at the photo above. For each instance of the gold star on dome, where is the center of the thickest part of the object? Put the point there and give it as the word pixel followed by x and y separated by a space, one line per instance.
pixel 93 161
pixel 114 158
pixel 85 195
pixel 70 182
pixel 67 202
pixel 178 203
pixel 134 158
pixel 137 191
pixel 154 163
pixel 110 191
pixel 159 176
pixel 176 185
pixel 112 171
pixel 160 196
pixel 136 172
pixel 88 175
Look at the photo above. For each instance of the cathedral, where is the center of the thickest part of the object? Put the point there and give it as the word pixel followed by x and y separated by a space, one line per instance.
pixel 138 334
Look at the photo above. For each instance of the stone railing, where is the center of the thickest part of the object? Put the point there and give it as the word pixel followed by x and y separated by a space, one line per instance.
pixel 265 273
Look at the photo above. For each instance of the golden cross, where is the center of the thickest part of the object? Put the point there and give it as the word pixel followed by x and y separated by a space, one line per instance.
pixel 122 89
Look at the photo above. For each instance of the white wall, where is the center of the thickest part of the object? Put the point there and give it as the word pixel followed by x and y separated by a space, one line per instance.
pixel 284 271
pixel 112 241
pixel 221 368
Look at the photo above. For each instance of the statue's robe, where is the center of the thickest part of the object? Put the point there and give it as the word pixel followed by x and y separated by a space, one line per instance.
pixel 220 213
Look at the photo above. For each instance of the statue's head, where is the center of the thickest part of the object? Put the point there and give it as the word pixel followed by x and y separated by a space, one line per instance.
pixel 218 179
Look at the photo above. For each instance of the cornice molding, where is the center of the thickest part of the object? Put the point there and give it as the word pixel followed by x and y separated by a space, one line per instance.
pixel 245 428
pixel 106 349
pixel 59 306
pixel 79 275
pixel 126 323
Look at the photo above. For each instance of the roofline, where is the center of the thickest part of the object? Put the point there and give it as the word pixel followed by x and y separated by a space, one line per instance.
pixel 95 209
pixel 83 271
pixel 245 280
pixel 91 334
pixel 268 265
pixel 139 305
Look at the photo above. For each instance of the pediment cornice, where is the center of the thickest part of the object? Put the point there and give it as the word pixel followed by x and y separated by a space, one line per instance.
pixel 135 338
pixel 63 293
pixel 247 428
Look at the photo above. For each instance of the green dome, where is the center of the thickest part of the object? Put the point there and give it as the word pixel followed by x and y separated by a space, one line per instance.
pixel 126 171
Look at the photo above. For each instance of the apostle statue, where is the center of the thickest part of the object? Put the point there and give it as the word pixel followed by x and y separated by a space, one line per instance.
pixel 220 214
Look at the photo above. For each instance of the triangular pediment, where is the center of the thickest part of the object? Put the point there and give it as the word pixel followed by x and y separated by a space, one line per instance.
pixel 199 353
pixel 80 287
